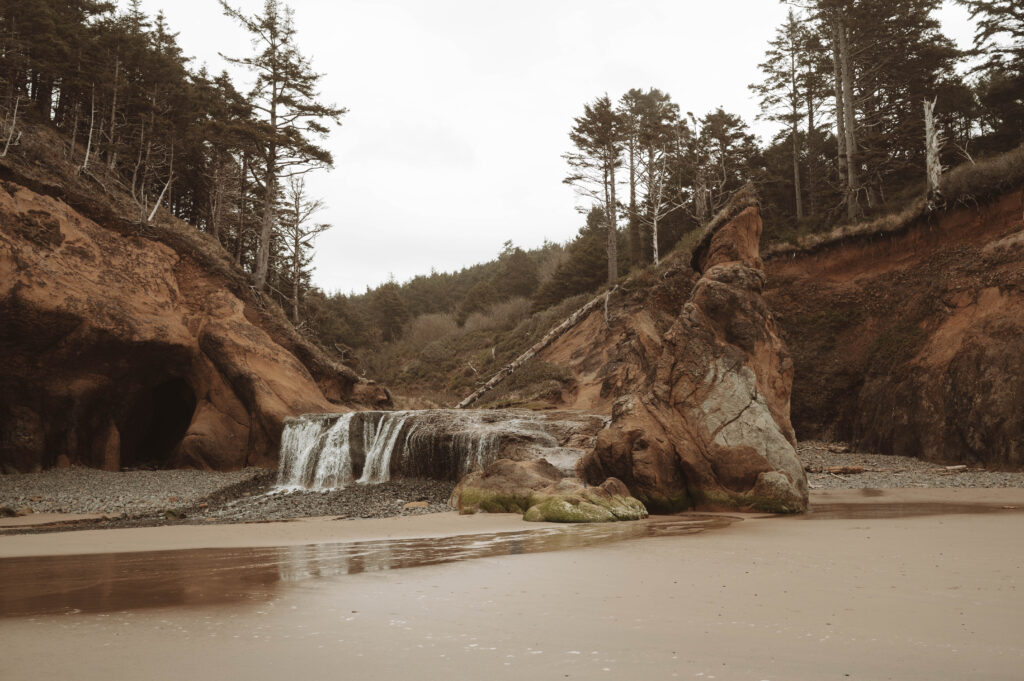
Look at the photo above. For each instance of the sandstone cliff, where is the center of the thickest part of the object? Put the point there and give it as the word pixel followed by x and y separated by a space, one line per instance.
pixel 705 421
pixel 911 341
pixel 124 346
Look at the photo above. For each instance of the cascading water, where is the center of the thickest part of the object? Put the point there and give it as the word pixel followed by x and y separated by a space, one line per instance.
pixel 378 454
pixel 325 451
pixel 316 453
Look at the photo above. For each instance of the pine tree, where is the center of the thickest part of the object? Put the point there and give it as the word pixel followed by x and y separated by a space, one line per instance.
pixel 285 96
pixel 597 136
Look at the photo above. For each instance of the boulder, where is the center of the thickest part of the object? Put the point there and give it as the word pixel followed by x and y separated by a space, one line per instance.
pixel 539 491
pixel 709 426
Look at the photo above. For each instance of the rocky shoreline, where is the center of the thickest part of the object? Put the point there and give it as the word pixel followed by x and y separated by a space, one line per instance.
pixel 152 498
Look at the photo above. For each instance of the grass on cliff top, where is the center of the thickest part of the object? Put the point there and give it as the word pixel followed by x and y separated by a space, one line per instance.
pixel 967 184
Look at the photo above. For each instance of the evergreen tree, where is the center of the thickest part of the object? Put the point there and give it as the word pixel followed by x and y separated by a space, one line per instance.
pixel 285 96
pixel 597 136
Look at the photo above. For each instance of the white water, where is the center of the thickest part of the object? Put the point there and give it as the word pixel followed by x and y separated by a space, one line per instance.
pixel 312 458
pixel 378 454
pixel 316 451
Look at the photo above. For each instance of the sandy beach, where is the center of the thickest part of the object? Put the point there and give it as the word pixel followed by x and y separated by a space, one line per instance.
pixel 887 593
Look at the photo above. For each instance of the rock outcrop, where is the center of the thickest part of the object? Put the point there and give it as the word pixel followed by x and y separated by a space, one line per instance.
pixel 539 491
pixel 909 342
pixel 708 423
pixel 123 348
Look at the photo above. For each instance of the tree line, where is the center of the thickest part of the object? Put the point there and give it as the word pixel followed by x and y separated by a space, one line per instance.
pixel 134 113
pixel 845 80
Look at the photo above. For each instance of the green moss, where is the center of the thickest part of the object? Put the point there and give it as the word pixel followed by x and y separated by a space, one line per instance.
pixel 556 509
pixel 473 499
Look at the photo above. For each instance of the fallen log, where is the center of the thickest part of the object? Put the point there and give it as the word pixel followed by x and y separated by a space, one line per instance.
pixel 549 338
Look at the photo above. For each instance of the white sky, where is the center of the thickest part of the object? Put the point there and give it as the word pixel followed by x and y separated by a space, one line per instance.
pixel 460 109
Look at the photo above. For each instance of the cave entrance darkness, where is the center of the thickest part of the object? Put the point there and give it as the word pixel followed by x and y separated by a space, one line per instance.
pixel 156 424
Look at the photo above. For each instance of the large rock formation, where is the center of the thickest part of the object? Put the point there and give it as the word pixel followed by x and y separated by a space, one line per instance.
pixel 908 341
pixel 122 348
pixel 708 423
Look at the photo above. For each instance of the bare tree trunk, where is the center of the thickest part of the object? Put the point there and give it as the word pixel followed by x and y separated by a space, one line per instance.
pixel 74 133
pixel 613 232
pixel 796 144
pixel 933 145
pixel 111 151
pixel 14 124
pixel 656 211
pixel 259 278
pixel 170 177
pixel 92 125
pixel 635 248
pixel 549 338
pixel 812 181
pixel 241 209
pixel 853 156
pixel 796 174
pixel 840 108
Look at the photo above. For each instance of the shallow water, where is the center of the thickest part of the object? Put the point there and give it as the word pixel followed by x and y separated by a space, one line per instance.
pixel 109 582
pixel 862 511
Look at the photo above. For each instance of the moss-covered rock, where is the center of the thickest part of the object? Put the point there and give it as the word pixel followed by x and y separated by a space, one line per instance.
pixel 538 490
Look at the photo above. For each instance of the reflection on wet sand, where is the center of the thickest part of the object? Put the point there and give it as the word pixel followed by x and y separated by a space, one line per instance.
pixel 124 581
pixel 867 511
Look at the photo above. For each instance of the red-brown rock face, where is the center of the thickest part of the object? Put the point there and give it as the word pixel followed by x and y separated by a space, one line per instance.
pixel 711 426
pixel 121 350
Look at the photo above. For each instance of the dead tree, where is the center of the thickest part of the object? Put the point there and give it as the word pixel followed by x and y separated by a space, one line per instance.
pixel 10 130
pixel 92 125
pixel 549 338
pixel 933 145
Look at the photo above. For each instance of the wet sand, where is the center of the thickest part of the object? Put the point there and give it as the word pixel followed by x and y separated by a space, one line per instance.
pixel 933 596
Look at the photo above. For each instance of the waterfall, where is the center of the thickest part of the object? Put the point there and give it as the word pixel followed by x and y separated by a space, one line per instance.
pixel 377 467
pixel 326 451
pixel 313 457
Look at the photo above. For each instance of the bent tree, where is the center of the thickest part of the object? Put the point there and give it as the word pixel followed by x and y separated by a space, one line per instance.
pixel 285 97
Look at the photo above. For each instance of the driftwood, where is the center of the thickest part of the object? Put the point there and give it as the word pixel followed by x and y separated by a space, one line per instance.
pixel 549 338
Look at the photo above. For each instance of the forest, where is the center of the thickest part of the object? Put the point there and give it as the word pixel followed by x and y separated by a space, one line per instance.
pixel 844 81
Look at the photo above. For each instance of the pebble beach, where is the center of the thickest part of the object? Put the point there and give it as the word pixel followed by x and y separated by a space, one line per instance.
pixel 144 498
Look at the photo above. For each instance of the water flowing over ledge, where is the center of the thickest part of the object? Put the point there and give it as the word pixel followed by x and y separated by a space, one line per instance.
pixel 325 451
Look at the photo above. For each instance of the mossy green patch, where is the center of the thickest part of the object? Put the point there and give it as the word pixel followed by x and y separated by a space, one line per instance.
pixel 473 499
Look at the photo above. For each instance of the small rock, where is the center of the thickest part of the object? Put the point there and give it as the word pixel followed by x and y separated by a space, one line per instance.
pixel 956 468
pixel 416 504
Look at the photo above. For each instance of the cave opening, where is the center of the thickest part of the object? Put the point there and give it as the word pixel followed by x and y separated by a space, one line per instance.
pixel 157 422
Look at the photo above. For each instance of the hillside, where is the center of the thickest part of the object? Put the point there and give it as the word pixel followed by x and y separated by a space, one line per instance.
pixel 127 345
pixel 905 332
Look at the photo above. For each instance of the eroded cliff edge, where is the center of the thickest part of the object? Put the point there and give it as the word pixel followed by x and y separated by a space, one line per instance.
pixel 911 341
pixel 124 346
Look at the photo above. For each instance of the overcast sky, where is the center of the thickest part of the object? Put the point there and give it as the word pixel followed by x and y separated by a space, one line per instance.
pixel 459 110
